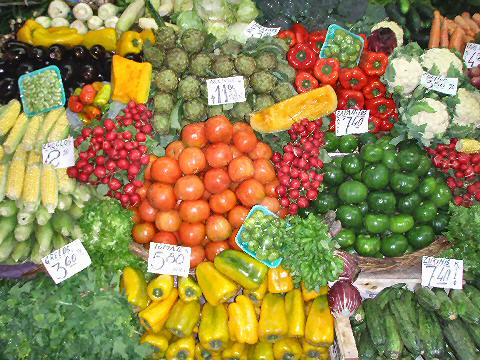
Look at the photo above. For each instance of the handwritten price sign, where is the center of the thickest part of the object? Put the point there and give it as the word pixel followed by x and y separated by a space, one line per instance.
pixel 169 259
pixel 256 30
pixel 442 272
pixel 66 261
pixel 472 55
pixel 60 154
pixel 351 122
pixel 440 84
pixel 223 91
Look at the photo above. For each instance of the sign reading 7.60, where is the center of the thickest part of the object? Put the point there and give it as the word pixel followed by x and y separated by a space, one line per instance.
pixel 169 259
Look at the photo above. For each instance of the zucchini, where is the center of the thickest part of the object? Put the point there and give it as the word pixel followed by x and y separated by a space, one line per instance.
pixel 427 299
pixel 394 14
pixel 408 329
pixel 474 331
pixel 465 308
pixel 473 294
pixel 430 334
pixel 374 322
pixel 359 316
pixel 393 345
pixel 447 310
pixel 366 348
pixel 413 20
pixel 459 340
pixel 425 10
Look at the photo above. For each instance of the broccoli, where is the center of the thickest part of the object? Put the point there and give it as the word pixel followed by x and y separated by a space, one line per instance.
pixel 223 66
pixel 194 110
pixel 161 123
pixel 266 61
pixel 166 37
pixel 283 91
pixel 193 40
pixel 166 80
pixel 189 88
pixel 231 47
pixel 286 69
pixel 163 103
pixel 245 65
pixel 241 111
pixel 215 110
pixel 263 101
pixel 263 82
pixel 177 60
pixel 200 65
pixel 154 55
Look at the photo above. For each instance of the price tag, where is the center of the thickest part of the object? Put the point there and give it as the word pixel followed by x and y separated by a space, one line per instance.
pixel 226 90
pixel 351 122
pixel 67 261
pixel 256 30
pixel 169 259
pixel 440 84
pixel 442 272
pixel 60 154
pixel 471 56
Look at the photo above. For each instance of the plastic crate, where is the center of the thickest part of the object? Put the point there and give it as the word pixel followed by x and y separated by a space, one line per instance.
pixel 332 29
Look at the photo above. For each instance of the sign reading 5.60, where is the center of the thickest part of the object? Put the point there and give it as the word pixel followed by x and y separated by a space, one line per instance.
pixel 169 259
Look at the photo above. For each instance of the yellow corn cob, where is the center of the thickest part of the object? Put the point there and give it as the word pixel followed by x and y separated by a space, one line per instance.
pixel 469 146
pixel 3 178
pixel 60 129
pixel 47 125
pixel 34 157
pixel 16 134
pixel 31 187
pixel 49 188
pixel 30 136
pixel 16 175
pixel 8 115
pixel 66 184
pixel 2 153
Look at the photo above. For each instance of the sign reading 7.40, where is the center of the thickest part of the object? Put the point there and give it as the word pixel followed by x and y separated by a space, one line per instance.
pixel 351 121
pixel 442 272
pixel 169 259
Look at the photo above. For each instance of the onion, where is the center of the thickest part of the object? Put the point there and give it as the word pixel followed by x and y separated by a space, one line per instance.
pixel 382 40
pixel 344 299
pixel 350 266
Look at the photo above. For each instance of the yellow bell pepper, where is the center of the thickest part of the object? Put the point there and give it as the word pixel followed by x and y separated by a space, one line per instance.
pixel 273 323
pixel 261 351
pixel 287 348
pixel 235 351
pixel 188 289
pixel 242 321
pixel 215 286
pixel 130 42
pixel 159 342
pixel 135 287
pixel 159 288
pixel 156 314
pixel 295 309
pixel 311 352
pixel 166 334
pixel 319 330
pixel 131 80
pixel 203 354
pixel 213 330
pixel 183 318
pixel 148 35
pixel 182 349
pixel 24 34
pixel 62 30
pixel 104 37
pixel 43 37
pixel 257 294
pixel 279 280
pixel 312 294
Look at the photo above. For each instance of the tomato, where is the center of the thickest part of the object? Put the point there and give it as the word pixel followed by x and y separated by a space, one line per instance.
pixel 245 140
pixel 350 216
pixel 136 216
pixel 271 203
pixel 223 202
pixel 206 195
pixel 197 256
pixel 218 155
pixel 250 192
pixel 189 187
pixel 367 245
pixel 345 238
pixel 352 164
pixel 166 170
pixel 235 152
pixel 214 248
pixel 191 234
pixel 143 233
pixel 376 223
pixel 219 129
pixel 146 211
pixel 193 135
pixel 174 149
pixel 193 211
pixel 192 161
pixel 264 171
pixel 142 192
pixel 241 169
pixel 231 241
pixel 403 183
pixel 165 237
pixel 371 153
pixel 167 220
pixel 237 216
pixel 394 245
pixel 401 223
pixel 161 196
pixel 239 126
pixel 261 151
pixel 218 228
pixel 352 192
pixel 420 236
pixel 271 188
pixel 375 176
pixel 425 212
pixel 216 180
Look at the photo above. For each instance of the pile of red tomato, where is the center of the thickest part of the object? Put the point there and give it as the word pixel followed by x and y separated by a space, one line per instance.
pixel 200 192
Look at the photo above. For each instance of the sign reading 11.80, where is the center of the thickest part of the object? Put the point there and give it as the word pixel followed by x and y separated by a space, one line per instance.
pixel 228 90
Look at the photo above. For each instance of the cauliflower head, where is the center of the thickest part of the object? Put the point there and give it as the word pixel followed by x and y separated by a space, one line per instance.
pixel 442 58
pixel 467 111
pixel 431 113
pixel 403 75
pixel 397 30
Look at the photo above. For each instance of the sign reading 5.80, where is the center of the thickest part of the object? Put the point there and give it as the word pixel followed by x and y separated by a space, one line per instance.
pixel 169 259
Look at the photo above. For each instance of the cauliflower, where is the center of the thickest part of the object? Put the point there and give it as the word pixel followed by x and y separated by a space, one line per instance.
pixel 431 113
pixel 398 31
pixel 467 111
pixel 442 58
pixel 403 75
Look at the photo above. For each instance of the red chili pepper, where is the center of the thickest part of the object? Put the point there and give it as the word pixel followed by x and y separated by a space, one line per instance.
pixel 74 104
pixel 350 99
pixel 373 89
pixel 300 31
pixel 288 36
pixel 386 125
pixel 352 79
pixel 375 124
pixel 316 40
pixel 380 107
pixel 87 95
pixel 327 70
pixel 301 57
pixel 305 82
pixel 374 63
pixel 365 40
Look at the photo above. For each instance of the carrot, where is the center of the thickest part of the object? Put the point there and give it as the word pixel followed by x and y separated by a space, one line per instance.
pixel 435 30
pixel 476 18
pixel 462 23
pixel 451 26
pixel 472 25
pixel 456 41
pixel 444 34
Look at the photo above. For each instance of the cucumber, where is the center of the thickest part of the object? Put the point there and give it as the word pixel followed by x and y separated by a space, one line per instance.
pixel 393 345
pixel 392 292
pixel 374 322
pixel 447 310
pixel 430 334
pixel 465 308
pixel 474 331
pixel 408 300
pixel 413 20
pixel 473 294
pixel 425 9
pixel 358 331
pixel 427 299
pixel 366 348
pixel 408 329
pixel 359 316
pixel 459 340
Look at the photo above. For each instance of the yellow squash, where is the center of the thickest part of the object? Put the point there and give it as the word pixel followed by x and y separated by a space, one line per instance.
pixel 131 80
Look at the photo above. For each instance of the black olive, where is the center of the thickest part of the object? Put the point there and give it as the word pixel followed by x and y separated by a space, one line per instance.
pixel 24 68
pixel 88 73
pixel 5 69
pixel 56 53
pixel 15 55
pixel 79 52
pixel 8 88
pixel 67 70
pixel 39 54
pixel 15 44
pixel 97 52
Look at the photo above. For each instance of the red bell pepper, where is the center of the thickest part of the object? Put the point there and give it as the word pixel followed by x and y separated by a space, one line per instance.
pixel 380 107
pixel 316 40
pixel 352 79
pixel 74 104
pixel 288 36
pixel 375 124
pixel 301 57
pixel 350 99
pixel 327 70
pixel 373 89
pixel 301 32
pixel 305 82
pixel 386 125
pixel 374 63
pixel 365 41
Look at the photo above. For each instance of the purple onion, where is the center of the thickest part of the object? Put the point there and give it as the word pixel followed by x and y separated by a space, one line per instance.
pixel 350 266
pixel 344 299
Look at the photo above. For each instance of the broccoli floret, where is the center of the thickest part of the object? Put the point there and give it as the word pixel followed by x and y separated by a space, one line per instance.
pixel 283 91
pixel 161 123
pixel 200 65
pixel 177 60
pixel 166 37
pixel 215 110
pixel 189 88
pixel 263 82
pixel 263 101
pixel 241 111
pixel 286 69
pixel 245 65
pixel 193 40
pixel 266 61
pixel 166 80
pixel 194 110
pixel 163 103
pixel 223 66
pixel 231 48
pixel 154 55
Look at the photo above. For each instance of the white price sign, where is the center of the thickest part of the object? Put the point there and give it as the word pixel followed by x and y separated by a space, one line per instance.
pixel 442 272
pixel 228 90
pixel 471 56
pixel 67 261
pixel 440 84
pixel 351 122
pixel 256 30
pixel 60 154
pixel 169 259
